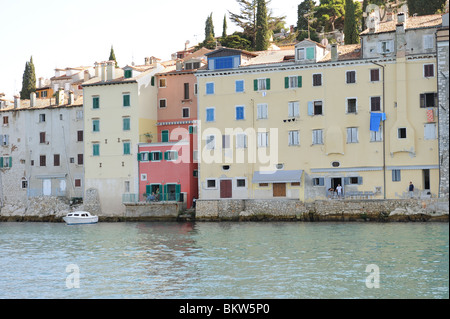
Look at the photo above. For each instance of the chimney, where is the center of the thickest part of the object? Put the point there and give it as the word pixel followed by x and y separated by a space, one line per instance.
pixel 334 52
pixel 71 98
pixel 32 99
pixel 60 97
pixel 103 71
pixel 86 75
pixel 401 17
pixel 97 69
pixel 179 65
pixel 147 61
pixel 41 79
pixel 16 101
pixel 110 70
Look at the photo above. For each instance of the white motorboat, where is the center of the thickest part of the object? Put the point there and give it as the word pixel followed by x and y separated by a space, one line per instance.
pixel 80 217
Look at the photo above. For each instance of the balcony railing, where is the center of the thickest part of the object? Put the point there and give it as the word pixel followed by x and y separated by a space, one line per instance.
pixel 130 198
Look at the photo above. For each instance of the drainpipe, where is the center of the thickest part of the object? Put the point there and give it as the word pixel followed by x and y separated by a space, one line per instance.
pixel 384 133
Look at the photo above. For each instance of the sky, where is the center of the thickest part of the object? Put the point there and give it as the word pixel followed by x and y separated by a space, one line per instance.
pixel 63 33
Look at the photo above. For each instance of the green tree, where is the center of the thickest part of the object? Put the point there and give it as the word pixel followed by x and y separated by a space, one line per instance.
pixel 209 29
pixel 224 29
pixel 330 14
pixel 351 33
pixel 262 29
pixel 425 7
pixel 28 80
pixel 307 7
pixel 236 41
pixel 112 56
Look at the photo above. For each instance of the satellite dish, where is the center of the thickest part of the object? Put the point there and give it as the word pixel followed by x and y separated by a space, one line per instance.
pixel 324 42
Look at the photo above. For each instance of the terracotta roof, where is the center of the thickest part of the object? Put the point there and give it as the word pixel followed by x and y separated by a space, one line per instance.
pixel 411 23
pixel 345 52
pixel 267 57
pixel 44 104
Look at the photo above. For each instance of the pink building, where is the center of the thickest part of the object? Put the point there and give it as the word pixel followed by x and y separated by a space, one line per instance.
pixel 168 168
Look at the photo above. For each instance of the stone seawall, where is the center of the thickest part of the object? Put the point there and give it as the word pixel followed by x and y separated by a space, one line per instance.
pixel 430 209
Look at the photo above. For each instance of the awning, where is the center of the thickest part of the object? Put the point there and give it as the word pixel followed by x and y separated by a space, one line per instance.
pixel 277 176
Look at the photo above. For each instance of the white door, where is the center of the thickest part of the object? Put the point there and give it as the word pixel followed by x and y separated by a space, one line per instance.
pixel 47 187
pixel 62 187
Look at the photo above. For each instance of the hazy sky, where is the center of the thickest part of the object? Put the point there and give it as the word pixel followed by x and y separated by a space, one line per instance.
pixel 62 33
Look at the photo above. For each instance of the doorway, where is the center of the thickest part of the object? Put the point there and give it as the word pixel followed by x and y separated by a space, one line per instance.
pixel 47 187
pixel 335 181
pixel 225 188
pixel 279 189
pixel 426 179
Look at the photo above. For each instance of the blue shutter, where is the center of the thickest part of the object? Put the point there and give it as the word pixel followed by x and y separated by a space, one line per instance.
pixel 310 108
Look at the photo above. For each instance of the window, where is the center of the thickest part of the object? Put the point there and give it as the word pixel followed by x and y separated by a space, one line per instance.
pixel 225 141
pixel 240 182
pixel 294 138
pixel 79 115
pixel 42 160
pixel 77 182
pixel 186 91
pixel 261 84
pixel 126 99
pixel 263 139
pixel 165 136
pixel 162 103
pixel 5 121
pixel 239 85
pixel 210 142
pixel 239 112
pixel 210 88
pixel 95 102
pixel 374 75
pixel 428 100
pixel 352 135
pixel 126 123
pixel 41 118
pixel 171 155
pixel 128 74
pixel 315 108
pixel 428 70
pixel 96 149
pixel 155 156
pixel 301 54
pixel 317 137
pixel 428 42
pixel 351 105
pixel 4 140
pixel 127 186
pixel 294 109
pixel 143 157
pixel 295 183
pixel 6 161
pixel 241 140
pixel 402 132
pixel 385 47
pixel 317 79
pixel 211 183
pixel 126 148
pixel 396 176
pixel 210 114
pixel 42 137
pixel 263 184
pixel 291 82
pixel 318 181
pixel 185 112
pixel 24 183
pixel 375 103
pixel 195 89
pixel 430 131
pixel 350 76
pixel 223 63
pixel 376 136
pixel 262 111
pixel 162 83
pixel 80 159
pixel 96 125
pixel 56 160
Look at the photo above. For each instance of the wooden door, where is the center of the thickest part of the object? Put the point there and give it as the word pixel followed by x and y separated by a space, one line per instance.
pixel 279 189
pixel 225 188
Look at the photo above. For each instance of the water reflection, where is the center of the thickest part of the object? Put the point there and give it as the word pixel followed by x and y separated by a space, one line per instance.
pixel 224 260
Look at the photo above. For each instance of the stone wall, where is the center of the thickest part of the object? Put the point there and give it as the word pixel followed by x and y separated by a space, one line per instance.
pixel 153 211
pixel 431 209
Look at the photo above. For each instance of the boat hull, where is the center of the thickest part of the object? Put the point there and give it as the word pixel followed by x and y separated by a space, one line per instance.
pixel 80 220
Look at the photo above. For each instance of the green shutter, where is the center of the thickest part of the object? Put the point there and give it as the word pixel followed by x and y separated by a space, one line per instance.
pixel 286 82
pixel 166 156
pixel 148 189
pixel 139 157
pixel 255 85
pixel 191 129
pixel 10 161
pixel 299 81
pixel 1 161
pixel 153 81
pixel 126 100
pixel 267 84
pixel 177 191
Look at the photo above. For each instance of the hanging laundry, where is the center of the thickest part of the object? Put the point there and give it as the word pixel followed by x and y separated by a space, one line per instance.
pixel 430 115
pixel 375 120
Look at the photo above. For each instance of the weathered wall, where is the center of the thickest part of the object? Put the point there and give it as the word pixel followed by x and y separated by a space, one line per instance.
pixel 326 210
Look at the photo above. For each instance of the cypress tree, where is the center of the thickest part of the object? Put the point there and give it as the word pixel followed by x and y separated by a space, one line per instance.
pixel 112 56
pixel 262 28
pixel 351 34
pixel 28 80
pixel 224 31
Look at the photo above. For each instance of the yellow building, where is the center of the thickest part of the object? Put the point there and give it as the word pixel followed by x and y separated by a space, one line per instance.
pixel 296 123
pixel 119 110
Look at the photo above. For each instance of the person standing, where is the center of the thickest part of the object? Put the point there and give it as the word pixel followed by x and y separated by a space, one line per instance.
pixel 411 190
pixel 339 190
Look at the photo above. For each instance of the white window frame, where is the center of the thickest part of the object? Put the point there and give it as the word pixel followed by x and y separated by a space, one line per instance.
pixel 211 179
pixel 165 104
pixel 188 111
pixel 376 136
pixel 171 158
pixel 294 108
pixel 241 140
pixel 352 135
pixel 294 138
pixel 321 80
pixel 346 77
pixel 302 56
pixel 317 137
pixel 161 80
pixel 262 111
pixel 293 81
pixel 356 105
pixel 263 139
pixel 210 142
pixel 262 84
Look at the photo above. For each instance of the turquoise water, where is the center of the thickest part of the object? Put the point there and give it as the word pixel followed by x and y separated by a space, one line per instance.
pixel 224 260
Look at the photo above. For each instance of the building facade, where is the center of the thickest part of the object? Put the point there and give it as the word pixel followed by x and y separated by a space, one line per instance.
pixel 297 123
